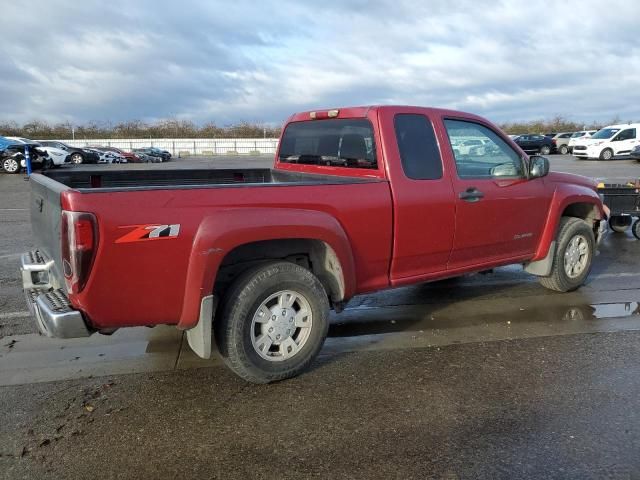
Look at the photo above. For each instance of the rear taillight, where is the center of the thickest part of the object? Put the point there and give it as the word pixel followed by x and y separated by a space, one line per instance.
pixel 79 244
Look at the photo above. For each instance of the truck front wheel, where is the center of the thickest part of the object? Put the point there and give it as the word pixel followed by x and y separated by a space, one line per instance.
pixel 273 323
pixel 575 246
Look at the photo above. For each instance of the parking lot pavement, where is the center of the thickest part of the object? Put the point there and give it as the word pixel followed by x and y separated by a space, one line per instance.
pixel 552 407
pixel 486 376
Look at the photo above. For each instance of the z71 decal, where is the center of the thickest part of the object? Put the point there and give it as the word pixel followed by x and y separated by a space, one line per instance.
pixel 152 231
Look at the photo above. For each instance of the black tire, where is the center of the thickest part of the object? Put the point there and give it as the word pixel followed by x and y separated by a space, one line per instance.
pixel 77 158
pixel 620 223
pixel 606 154
pixel 233 328
pixel 635 229
pixel 545 150
pixel 559 280
pixel 563 149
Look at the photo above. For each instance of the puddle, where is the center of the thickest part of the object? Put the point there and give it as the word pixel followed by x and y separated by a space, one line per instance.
pixel 608 310
pixel 380 320
pixel 33 358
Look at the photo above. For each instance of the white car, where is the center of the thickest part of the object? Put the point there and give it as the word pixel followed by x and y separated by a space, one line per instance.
pixel 57 156
pixel 609 142
pixel 470 146
pixel 577 137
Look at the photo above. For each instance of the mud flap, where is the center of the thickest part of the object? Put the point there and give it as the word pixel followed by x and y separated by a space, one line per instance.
pixel 542 268
pixel 200 336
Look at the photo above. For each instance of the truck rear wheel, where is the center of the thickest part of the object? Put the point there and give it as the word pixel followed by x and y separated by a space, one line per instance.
pixel 273 323
pixel 575 246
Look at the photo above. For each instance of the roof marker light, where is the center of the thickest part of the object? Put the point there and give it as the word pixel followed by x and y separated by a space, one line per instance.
pixel 324 114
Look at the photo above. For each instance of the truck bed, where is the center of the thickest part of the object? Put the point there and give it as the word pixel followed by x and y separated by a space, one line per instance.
pixel 109 179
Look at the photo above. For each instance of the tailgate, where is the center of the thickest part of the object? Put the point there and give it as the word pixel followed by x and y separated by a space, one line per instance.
pixel 45 220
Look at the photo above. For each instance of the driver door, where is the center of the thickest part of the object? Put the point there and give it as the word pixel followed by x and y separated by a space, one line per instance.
pixel 624 141
pixel 499 211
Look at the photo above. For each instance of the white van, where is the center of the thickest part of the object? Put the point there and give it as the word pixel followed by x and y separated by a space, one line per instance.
pixel 609 142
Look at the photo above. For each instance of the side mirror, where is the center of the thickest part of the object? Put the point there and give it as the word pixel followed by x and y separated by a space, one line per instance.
pixel 538 166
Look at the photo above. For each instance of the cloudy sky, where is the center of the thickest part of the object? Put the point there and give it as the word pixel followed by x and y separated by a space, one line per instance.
pixel 227 61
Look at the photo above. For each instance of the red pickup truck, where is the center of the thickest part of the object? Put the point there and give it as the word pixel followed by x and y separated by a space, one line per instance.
pixel 359 199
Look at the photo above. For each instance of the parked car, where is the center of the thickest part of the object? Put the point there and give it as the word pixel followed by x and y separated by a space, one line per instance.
pixel 535 143
pixel 163 155
pixel 466 147
pixel 577 137
pixel 130 156
pixel 609 142
pixel 561 142
pixel 5 142
pixel 146 157
pixel 149 158
pixel 57 156
pixel 635 153
pixel 107 156
pixel 77 154
pixel 166 155
pixel 13 157
pixel 348 216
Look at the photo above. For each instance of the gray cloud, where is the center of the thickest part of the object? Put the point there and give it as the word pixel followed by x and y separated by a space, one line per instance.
pixel 261 61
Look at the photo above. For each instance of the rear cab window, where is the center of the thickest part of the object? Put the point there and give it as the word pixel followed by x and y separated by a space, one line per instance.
pixel 419 152
pixel 338 142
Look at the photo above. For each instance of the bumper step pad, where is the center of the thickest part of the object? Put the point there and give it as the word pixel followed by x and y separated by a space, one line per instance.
pixel 50 306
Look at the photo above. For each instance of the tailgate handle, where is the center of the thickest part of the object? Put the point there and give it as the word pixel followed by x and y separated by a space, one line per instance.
pixel 471 194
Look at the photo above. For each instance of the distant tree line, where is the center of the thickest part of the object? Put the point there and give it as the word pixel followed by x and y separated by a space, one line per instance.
pixel 556 124
pixel 41 130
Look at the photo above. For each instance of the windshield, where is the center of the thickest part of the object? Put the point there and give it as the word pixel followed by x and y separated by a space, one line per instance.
pixel 332 142
pixel 605 133
pixel 577 135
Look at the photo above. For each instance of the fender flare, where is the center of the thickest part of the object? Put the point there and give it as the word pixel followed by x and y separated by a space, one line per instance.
pixel 220 233
pixel 559 203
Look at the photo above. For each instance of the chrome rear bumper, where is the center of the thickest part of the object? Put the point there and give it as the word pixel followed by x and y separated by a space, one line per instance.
pixel 48 303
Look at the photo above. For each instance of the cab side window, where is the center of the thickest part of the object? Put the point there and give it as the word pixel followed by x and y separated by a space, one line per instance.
pixel 493 158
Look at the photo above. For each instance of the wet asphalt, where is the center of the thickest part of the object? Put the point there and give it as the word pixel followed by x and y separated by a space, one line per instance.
pixel 487 376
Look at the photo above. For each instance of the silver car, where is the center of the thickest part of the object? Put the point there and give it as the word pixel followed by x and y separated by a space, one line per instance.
pixel 561 142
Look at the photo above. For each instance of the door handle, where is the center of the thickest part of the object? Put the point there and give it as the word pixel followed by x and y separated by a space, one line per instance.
pixel 471 194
